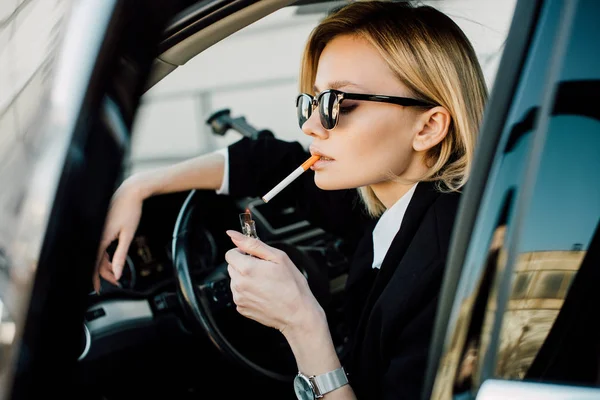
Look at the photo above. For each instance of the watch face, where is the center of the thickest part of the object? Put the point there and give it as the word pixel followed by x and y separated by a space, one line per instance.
pixel 303 388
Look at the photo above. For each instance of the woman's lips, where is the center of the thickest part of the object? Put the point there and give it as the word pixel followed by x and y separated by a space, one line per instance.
pixel 321 163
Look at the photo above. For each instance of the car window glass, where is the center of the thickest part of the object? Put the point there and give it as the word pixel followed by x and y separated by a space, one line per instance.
pixel 555 238
pixel 463 366
pixel 558 229
pixel 254 74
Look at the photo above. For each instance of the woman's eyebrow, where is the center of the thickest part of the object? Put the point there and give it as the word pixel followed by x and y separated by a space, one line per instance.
pixel 337 85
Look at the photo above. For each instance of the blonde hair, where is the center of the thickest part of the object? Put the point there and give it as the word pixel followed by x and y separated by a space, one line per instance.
pixel 433 58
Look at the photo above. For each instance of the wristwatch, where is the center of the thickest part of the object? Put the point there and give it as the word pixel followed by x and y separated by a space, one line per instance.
pixel 316 386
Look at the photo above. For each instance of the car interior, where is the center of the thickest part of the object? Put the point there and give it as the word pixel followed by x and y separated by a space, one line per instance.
pixel 173 320
pixel 171 330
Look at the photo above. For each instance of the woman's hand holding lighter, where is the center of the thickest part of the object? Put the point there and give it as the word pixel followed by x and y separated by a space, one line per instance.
pixel 266 285
pixel 268 288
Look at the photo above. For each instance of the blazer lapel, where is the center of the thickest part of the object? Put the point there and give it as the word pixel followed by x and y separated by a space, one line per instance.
pixel 362 260
pixel 424 196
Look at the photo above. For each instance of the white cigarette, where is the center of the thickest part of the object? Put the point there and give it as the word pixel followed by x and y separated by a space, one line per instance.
pixel 290 178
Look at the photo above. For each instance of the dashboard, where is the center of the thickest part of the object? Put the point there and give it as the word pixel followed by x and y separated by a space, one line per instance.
pixel 146 311
pixel 149 266
pixel 149 261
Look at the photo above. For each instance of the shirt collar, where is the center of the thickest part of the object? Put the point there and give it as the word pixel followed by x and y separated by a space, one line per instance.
pixel 388 225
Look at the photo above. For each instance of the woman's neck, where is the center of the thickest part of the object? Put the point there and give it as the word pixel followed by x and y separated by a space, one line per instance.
pixel 389 192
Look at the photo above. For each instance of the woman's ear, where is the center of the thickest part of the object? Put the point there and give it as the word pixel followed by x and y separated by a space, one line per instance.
pixel 434 125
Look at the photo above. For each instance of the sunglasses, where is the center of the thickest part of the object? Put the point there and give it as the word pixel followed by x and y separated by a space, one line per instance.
pixel 329 102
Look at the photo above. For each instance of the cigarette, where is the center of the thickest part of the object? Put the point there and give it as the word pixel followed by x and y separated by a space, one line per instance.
pixel 290 178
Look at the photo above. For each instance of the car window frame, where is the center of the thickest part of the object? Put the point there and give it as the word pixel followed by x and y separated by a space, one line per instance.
pixel 519 40
pixel 538 127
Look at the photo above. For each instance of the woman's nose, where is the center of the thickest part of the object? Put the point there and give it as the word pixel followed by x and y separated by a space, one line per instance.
pixel 313 127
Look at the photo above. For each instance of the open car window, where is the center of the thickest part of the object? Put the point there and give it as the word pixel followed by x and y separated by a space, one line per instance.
pixel 254 74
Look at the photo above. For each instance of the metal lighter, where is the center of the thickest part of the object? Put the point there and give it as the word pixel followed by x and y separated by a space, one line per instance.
pixel 248 225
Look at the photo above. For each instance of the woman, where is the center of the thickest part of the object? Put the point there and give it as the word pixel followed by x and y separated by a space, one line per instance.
pixel 393 98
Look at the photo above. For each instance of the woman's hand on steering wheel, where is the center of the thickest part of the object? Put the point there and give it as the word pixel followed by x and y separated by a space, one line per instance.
pixel 121 223
pixel 266 285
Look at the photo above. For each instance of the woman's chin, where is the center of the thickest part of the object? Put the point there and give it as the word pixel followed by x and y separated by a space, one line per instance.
pixel 330 184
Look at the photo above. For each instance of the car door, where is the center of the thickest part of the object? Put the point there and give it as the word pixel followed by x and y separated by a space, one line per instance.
pixel 518 313
pixel 71 74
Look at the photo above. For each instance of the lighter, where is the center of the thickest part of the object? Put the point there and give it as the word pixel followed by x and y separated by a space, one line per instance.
pixel 248 225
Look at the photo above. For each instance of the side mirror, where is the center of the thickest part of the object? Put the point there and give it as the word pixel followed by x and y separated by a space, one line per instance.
pixel 518 390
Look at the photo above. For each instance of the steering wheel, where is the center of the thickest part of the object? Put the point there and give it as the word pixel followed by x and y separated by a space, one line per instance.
pixel 208 302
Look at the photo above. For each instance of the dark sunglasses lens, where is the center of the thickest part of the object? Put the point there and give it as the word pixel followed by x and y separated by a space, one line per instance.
pixel 303 108
pixel 328 110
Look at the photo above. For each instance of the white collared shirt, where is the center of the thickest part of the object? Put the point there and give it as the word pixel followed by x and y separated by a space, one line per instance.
pixel 387 227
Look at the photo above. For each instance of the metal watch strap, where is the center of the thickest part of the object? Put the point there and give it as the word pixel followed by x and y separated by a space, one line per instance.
pixel 325 383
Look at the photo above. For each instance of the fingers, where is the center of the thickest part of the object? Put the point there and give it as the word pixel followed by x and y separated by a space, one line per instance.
pixel 238 291
pixel 233 285
pixel 104 269
pixel 242 263
pixel 107 237
pixel 118 260
pixel 96 281
pixel 254 247
pixel 99 260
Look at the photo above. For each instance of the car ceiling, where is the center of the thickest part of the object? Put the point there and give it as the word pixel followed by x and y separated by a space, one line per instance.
pixel 204 23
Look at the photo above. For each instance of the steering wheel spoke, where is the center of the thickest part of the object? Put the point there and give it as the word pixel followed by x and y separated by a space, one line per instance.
pixel 215 287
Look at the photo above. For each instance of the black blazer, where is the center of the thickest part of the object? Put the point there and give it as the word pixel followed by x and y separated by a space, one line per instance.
pixel 391 311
